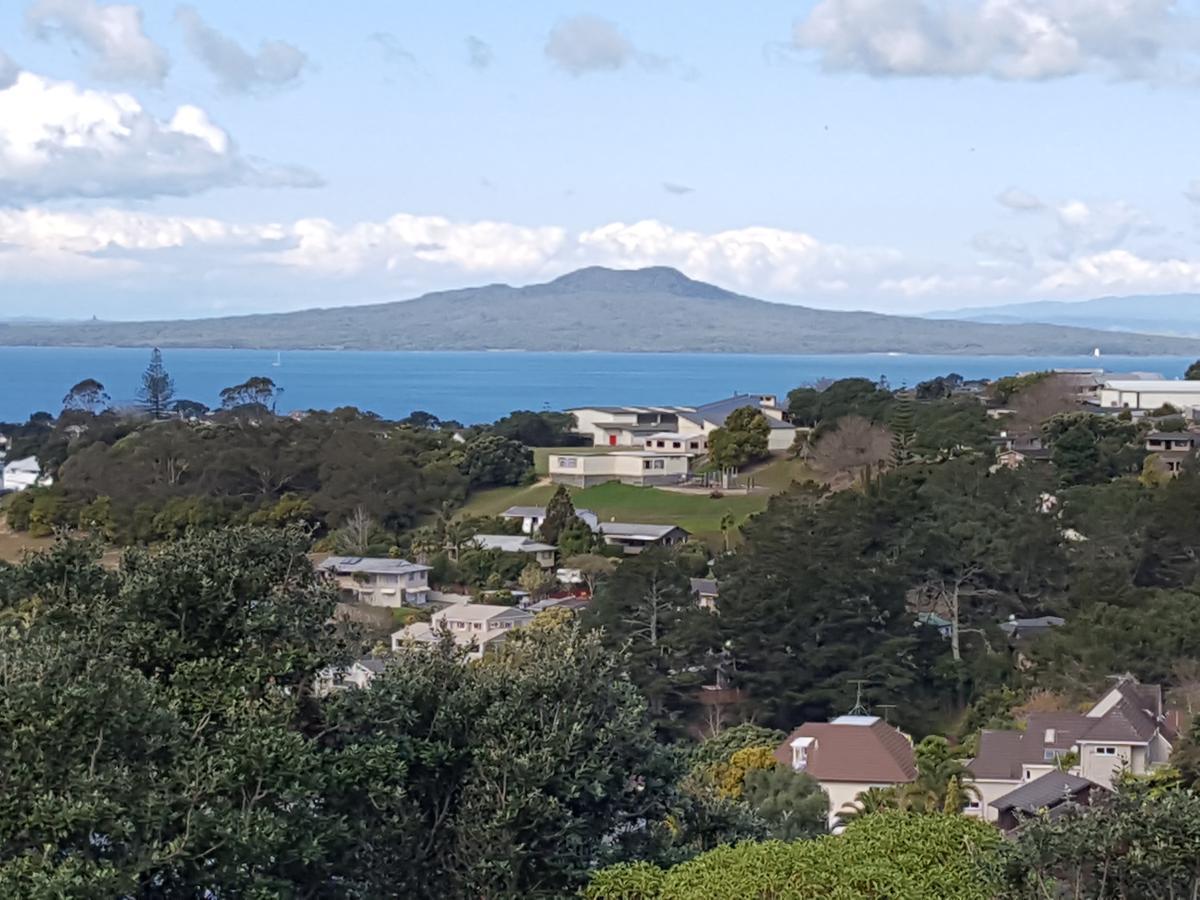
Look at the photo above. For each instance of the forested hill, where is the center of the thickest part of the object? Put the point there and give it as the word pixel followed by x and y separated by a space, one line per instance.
pixel 654 309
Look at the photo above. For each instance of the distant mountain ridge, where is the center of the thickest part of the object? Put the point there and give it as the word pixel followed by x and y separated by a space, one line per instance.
pixel 1173 314
pixel 655 309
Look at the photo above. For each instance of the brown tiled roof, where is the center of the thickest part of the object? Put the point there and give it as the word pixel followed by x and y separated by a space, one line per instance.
pixel 874 752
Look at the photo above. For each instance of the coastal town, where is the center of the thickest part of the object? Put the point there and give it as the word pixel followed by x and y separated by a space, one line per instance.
pixel 632 517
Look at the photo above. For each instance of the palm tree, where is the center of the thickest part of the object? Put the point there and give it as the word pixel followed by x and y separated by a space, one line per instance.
pixel 942 780
pixel 872 800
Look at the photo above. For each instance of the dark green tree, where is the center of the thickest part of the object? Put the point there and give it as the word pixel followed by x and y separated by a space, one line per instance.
pixel 157 387
pixel 1193 371
pixel 559 512
pixel 792 804
pixel 257 392
pixel 490 460
pixel 741 440
pixel 87 396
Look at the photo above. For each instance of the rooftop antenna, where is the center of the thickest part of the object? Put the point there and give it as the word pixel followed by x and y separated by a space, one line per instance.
pixel 887 707
pixel 858 709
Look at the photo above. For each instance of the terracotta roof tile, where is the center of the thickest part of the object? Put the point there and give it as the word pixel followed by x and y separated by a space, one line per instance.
pixel 874 752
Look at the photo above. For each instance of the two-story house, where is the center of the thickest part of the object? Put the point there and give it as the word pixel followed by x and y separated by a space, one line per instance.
pixel 848 756
pixel 379 581
pixel 477 626
pixel 1125 730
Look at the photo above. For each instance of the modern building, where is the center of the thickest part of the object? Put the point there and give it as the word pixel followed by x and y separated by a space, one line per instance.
pixel 1149 395
pixel 477 626
pixel 20 474
pixel 632 426
pixel 635 537
pixel 642 468
pixel 848 756
pixel 379 581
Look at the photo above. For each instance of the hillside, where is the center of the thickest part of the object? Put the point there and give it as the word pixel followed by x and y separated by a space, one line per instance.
pixel 655 309
pixel 1173 314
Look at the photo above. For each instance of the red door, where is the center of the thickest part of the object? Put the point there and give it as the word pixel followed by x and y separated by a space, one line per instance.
pixel 612 440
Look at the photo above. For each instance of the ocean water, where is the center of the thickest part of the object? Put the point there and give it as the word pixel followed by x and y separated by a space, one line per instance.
pixel 479 386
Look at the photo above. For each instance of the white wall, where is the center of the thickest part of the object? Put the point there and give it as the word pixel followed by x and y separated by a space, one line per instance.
pixel 1150 399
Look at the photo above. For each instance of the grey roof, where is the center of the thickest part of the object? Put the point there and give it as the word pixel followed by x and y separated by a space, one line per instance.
pixel 999 755
pixel 534 512
pixel 715 411
pixel 511 543
pixel 348 565
pixel 704 586
pixel 638 530
pixel 1036 624
pixel 1170 436
pixel 1125 723
pixel 1045 792
pixel 373 664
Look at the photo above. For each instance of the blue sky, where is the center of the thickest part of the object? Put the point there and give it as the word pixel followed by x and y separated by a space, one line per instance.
pixel 900 155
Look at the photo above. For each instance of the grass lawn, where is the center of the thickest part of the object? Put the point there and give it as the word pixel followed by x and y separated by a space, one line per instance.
pixel 779 472
pixel 698 513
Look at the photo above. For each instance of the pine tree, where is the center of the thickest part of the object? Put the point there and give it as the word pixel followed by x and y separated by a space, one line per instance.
pixel 559 511
pixel 904 431
pixel 157 387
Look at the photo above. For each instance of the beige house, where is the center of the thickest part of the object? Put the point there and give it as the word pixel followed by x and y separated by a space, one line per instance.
pixel 676 442
pixel 631 426
pixel 1125 730
pixel 848 756
pixel 379 581
pixel 478 626
pixel 637 467
pixel 542 554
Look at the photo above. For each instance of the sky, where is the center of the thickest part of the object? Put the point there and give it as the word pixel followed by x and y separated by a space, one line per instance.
pixel 162 160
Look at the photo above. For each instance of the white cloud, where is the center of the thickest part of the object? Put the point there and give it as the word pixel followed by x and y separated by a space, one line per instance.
pixel 1121 270
pixel 9 71
pixel 112 35
pixel 59 140
pixel 583 44
pixel 479 52
pixel 276 63
pixel 1019 201
pixel 1006 39
pixel 1091 227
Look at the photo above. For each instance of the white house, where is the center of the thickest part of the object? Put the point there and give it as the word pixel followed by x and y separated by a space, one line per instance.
pixel 676 442
pixel 1147 395
pixel 848 756
pixel 479 626
pixel 637 467
pixel 632 426
pixel 379 581
pixel 532 517
pixel 357 674
pixel 20 474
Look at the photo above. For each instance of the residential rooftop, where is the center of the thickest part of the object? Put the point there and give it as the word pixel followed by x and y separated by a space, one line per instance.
pixel 368 565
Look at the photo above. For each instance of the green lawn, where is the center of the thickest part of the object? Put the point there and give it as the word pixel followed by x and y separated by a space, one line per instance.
pixel 698 513
pixel 779 472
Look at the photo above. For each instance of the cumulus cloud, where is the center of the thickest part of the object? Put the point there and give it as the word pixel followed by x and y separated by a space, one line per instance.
pixel 1122 270
pixel 112 35
pixel 479 52
pixel 59 140
pixel 583 44
pixel 1006 39
pixel 1019 200
pixel 1091 227
pixel 9 71
pixel 276 63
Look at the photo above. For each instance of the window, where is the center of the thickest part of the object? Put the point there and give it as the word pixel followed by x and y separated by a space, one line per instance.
pixel 567 462
pixel 646 464
pixel 676 444
pixel 660 464
pixel 1106 751
pixel 1051 755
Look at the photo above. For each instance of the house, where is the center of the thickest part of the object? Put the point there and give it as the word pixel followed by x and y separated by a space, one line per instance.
pixel 634 537
pixel 676 441
pixel 705 590
pixel 379 581
pixel 1012 459
pixel 848 756
pixel 357 674
pixel 1173 460
pixel 1149 395
pixel 1126 729
pixel 932 620
pixel 477 626
pixel 1160 441
pixel 1018 440
pixel 1055 793
pixel 1026 629
pixel 20 474
pixel 642 468
pixel 532 517
pixel 631 426
pixel 543 554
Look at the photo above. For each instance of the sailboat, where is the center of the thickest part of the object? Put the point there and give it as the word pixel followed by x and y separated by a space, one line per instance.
pixel 278 359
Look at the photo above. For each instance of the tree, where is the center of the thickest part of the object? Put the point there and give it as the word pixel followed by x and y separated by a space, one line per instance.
pixel 943 780
pixel 357 534
pixel 418 418
pixel 1193 371
pixel 592 567
pixel 559 511
pixel 536 581
pixel 258 391
pixel 741 440
pixel 87 396
pixel 855 448
pixel 1042 398
pixel 576 537
pixel 793 804
pixel 157 387
pixel 189 409
pixel 490 460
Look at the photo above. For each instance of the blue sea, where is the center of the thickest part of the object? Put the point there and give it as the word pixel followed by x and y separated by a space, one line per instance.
pixel 481 386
